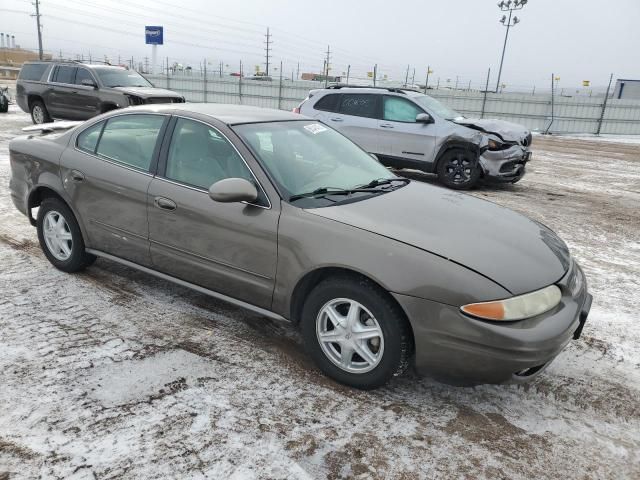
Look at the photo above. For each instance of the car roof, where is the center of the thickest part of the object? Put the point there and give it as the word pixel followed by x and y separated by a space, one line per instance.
pixel 73 63
pixel 229 114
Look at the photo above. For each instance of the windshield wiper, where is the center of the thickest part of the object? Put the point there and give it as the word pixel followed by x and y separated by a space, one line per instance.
pixel 331 191
pixel 383 181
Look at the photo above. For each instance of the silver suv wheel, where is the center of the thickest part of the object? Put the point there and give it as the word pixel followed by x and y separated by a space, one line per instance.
pixel 57 235
pixel 38 114
pixel 349 335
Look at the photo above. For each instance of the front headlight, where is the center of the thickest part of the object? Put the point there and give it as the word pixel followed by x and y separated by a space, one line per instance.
pixel 516 308
pixel 494 144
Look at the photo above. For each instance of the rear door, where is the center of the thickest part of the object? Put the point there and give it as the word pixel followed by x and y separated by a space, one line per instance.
pixel 401 135
pixel 61 91
pixel 107 174
pixel 358 119
pixel 230 248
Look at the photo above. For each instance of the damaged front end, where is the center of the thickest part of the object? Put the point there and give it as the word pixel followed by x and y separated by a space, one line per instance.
pixel 504 150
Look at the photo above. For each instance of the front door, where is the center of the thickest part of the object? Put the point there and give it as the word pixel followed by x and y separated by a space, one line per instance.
pixel 401 135
pixel 107 176
pixel 230 248
pixel 85 101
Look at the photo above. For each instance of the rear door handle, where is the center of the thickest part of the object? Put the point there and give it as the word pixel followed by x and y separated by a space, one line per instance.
pixel 337 119
pixel 386 125
pixel 77 176
pixel 164 203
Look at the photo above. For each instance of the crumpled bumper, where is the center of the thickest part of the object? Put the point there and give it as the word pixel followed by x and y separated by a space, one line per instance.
pixel 505 165
pixel 461 350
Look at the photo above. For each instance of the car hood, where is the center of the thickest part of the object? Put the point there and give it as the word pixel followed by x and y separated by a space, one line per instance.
pixel 515 252
pixel 146 92
pixel 510 132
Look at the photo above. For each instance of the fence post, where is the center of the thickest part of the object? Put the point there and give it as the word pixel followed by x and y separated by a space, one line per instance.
pixel 240 84
pixel 604 106
pixel 204 82
pixel 552 104
pixel 280 89
pixel 484 98
pixel 168 79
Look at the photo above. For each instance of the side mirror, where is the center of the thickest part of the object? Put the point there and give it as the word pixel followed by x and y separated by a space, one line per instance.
pixel 231 190
pixel 87 82
pixel 424 118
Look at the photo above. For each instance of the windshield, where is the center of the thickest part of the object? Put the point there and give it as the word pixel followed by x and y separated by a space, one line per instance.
pixel 305 156
pixel 115 77
pixel 435 107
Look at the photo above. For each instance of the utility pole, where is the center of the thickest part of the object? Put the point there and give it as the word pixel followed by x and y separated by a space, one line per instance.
pixel 327 67
pixel 413 77
pixel 507 22
pixel 298 72
pixel 37 15
pixel 426 83
pixel 268 51
pixel 348 72
pixel 406 77
pixel 375 74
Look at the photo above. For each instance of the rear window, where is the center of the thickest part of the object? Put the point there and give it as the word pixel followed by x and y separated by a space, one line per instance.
pixel 360 105
pixel 328 103
pixel 64 74
pixel 32 71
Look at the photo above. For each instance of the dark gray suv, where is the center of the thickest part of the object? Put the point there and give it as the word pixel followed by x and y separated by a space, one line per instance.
pixel 79 91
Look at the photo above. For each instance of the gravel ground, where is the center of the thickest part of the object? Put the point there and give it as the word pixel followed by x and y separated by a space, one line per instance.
pixel 115 374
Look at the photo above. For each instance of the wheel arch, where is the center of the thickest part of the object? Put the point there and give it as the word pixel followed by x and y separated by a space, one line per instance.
pixel 311 279
pixel 39 193
pixel 455 145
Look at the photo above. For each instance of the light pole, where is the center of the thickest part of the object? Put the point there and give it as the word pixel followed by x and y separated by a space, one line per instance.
pixel 508 6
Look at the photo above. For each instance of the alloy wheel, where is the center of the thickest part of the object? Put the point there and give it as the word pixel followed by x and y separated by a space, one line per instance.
pixel 349 335
pixel 57 235
pixel 459 169
pixel 38 114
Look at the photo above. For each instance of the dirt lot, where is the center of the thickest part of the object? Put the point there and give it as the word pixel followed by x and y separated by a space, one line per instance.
pixel 115 374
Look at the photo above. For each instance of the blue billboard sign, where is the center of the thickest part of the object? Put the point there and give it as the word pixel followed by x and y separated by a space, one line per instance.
pixel 153 35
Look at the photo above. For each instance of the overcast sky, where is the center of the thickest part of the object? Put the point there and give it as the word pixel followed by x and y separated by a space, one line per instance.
pixel 576 40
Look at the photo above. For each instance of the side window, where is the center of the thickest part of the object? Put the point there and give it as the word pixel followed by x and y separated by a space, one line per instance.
pixel 200 156
pixel 64 74
pixel 131 139
pixel 32 71
pixel 400 110
pixel 88 139
pixel 328 103
pixel 360 105
pixel 83 74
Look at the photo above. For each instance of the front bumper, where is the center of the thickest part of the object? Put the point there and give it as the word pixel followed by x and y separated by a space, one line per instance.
pixel 461 350
pixel 505 165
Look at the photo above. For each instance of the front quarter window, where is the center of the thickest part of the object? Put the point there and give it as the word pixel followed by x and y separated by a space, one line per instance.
pixel 303 156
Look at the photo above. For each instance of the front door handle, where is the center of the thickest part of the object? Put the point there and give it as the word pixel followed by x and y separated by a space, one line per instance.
pixel 386 125
pixel 77 176
pixel 164 203
pixel 337 119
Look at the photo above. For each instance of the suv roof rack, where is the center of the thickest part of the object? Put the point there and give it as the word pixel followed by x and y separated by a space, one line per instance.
pixel 81 62
pixel 388 89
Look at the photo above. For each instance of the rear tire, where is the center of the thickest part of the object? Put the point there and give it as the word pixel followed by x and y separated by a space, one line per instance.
pixel 355 333
pixel 39 113
pixel 60 237
pixel 459 169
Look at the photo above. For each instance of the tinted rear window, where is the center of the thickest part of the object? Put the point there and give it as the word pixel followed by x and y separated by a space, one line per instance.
pixel 328 103
pixel 64 74
pixel 32 71
pixel 360 105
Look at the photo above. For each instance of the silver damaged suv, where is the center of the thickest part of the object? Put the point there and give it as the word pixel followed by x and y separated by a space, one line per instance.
pixel 407 129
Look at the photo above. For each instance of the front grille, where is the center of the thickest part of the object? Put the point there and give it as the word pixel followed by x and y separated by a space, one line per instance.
pixel 164 100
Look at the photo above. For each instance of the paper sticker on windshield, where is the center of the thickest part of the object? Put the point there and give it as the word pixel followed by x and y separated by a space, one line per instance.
pixel 315 128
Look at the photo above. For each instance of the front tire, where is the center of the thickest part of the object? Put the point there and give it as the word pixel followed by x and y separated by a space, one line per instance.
pixel 60 237
pixel 39 113
pixel 459 169
pixel 355 333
